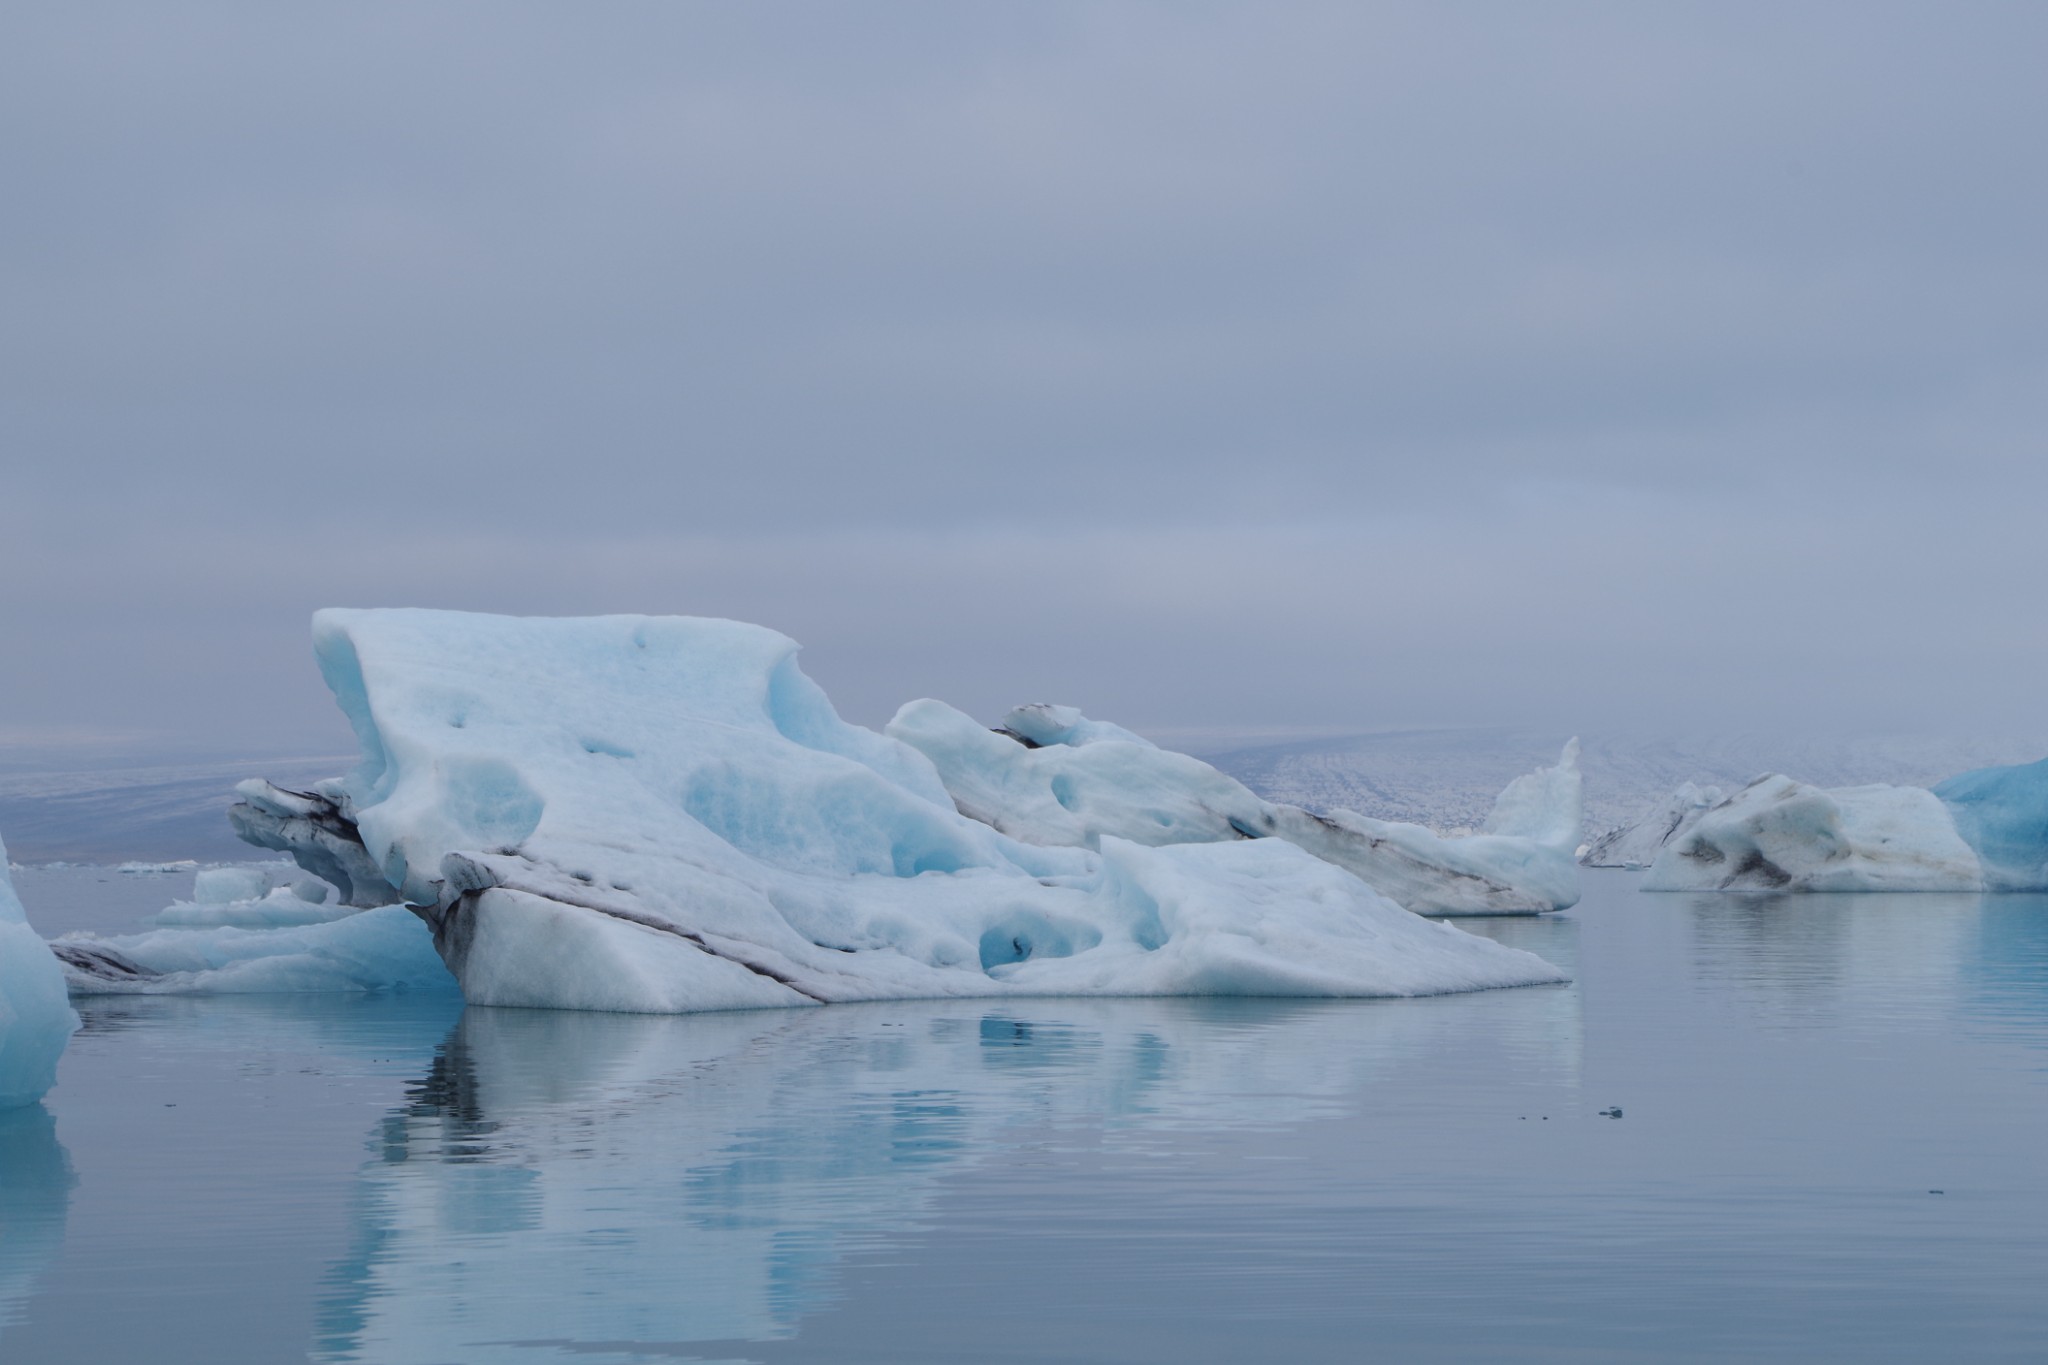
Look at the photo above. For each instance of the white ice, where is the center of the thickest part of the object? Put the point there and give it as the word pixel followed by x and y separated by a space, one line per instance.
pixel 36 1018
pixel 1636 845
pixel 1778 834
pixel 666 815
pixel 1081 781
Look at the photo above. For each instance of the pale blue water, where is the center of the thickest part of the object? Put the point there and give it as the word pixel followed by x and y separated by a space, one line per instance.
pixel 394 1181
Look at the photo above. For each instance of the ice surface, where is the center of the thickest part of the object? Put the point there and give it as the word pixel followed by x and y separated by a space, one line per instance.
pixel 1078 782
pixel 1041 724
pixel 36 1018
pixel 2003 814
pixel 1637 843
pixel 366 950
pixel 665 815
pixel 1778 834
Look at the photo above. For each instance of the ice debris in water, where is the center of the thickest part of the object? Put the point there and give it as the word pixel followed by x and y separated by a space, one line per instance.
pixel 1048 775
pixel 36 1018
pixel 666 815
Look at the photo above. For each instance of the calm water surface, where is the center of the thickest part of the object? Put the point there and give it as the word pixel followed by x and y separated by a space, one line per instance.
pixel 400 1182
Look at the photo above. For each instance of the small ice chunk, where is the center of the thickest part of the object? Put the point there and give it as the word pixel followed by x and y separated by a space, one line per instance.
pixel 222 885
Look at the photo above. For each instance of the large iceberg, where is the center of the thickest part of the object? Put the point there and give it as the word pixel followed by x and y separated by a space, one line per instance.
pixel 1637 844
pixel 36 1018
pixel 665 814
pixel 1780 835
pixel 1048 775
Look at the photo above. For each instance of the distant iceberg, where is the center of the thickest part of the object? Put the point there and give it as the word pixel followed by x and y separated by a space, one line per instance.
pixel 665 815
pixel 1048 775
pixel 36 1018
pixel 1637 844
pixel 1780 835
pixel 1983 830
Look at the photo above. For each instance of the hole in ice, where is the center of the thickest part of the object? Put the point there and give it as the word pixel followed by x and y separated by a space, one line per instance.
pixel 1063 791
pixel 605 746
pixel 1026 935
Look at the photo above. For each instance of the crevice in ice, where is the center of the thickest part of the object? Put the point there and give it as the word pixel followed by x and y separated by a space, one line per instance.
pixel 1021 937
pixel 100 963
pixel 1761 869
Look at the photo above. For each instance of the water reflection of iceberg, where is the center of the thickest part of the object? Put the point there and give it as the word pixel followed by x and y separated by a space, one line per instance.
pixel 1805 954
pixel 35 1202
pixel 2005 980
pixel 605 1183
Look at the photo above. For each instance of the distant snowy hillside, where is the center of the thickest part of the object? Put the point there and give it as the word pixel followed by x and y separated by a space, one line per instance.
pixel 56 806
pixel 1446 779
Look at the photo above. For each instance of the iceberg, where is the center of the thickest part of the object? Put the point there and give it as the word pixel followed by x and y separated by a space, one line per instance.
pixel 1636 845
pixel 36 1018
pixel 665 815
pixel 2003 814
pixel 1049 776
pixel 1780 835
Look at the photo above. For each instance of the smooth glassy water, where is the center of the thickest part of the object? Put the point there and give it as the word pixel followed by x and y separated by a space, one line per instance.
pixel 400 1182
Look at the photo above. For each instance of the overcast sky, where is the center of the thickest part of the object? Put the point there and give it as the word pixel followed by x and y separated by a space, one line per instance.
pixel 1336 366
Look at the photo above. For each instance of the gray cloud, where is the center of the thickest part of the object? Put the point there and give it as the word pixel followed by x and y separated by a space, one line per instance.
pixel 1329 365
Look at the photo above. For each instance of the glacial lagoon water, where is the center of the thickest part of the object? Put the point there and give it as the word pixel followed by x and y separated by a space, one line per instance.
pixel 1829 1147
